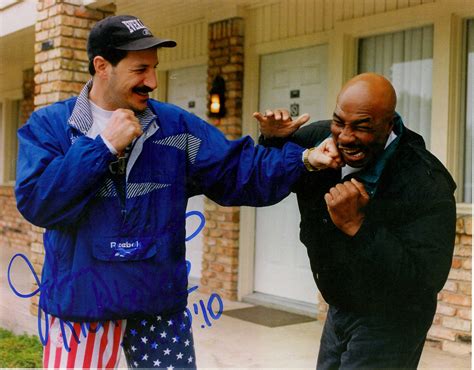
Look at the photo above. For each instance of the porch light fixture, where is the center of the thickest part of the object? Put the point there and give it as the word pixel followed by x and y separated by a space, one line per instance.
pixel 217 98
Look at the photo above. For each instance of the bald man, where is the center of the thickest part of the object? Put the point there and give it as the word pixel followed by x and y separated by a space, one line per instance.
pixel 379 231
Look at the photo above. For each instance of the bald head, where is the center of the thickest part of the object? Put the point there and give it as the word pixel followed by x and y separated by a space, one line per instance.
pixel 372 92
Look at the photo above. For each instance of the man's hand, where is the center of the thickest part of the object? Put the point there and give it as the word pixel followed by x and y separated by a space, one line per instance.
pixel 325 155
pixel 346 204
pixel 278 123
pixel 122 128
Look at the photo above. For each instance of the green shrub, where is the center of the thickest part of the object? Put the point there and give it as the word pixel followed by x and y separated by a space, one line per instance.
pixel 19 350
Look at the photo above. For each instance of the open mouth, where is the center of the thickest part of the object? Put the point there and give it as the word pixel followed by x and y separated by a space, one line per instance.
pixel 352 154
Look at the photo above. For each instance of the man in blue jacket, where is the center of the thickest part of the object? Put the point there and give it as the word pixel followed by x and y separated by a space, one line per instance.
pixel 379 231
pixel 108 174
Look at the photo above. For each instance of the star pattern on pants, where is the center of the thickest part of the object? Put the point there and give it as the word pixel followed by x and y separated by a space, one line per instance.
pixel 160 341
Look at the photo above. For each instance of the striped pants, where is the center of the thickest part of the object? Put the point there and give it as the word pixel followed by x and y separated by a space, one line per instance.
pixel 151 341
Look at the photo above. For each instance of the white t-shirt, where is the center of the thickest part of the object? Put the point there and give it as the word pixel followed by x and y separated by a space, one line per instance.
pixel 100 117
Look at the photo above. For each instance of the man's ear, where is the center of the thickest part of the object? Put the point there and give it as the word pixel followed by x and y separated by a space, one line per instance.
pixel 392 121
pixel 101 66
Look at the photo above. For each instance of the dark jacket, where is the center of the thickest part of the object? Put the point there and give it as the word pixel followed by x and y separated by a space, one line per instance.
pixel 400 258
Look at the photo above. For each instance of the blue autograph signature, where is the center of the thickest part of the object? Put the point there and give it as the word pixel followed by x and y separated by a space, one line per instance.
pixel 87 327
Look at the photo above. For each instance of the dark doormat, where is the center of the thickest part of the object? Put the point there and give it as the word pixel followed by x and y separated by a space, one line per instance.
pixel 268 316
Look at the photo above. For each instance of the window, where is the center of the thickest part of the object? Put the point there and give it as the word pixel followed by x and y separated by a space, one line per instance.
pixel 10 121
pixel 406 59
pixel 467 189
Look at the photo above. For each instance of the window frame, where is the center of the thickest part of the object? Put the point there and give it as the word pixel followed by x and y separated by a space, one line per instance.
pixel 9 124
pixel 463 103
pixel 447 142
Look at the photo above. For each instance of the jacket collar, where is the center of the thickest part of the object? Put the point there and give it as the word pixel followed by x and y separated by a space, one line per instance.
pixel 81 116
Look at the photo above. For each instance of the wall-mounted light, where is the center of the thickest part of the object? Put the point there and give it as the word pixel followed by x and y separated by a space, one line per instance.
pixel 217 98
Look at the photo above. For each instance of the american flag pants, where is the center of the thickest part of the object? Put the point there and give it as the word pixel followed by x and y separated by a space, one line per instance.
pixel 160 341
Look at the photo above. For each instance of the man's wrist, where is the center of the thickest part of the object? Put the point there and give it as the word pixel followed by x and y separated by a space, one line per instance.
pixel 306 163
pixel 109 145
pixel 352 228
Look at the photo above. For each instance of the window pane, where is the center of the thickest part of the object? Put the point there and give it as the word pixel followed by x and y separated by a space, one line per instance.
pixel 406 59
pixel 469 114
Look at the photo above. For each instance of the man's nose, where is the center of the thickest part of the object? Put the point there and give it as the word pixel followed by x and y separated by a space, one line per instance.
pixel 346 135
pixel 150 80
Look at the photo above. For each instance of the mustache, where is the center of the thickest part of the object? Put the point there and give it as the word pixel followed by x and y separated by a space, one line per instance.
pixel 142 89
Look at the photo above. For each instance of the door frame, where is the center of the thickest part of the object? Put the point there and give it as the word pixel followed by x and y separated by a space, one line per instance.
pixel 251 101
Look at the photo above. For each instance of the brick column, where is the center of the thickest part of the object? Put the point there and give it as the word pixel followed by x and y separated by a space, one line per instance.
pixel 27 104
pixel 221 233
pixel 452 325
pixel 61 66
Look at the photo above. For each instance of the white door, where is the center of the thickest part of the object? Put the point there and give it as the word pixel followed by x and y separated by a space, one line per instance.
pixel 187 89
pixel 295 80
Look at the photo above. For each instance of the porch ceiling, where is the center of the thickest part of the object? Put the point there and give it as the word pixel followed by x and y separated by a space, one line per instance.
pixel 16 55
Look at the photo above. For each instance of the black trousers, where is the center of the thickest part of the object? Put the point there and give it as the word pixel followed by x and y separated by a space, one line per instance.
pixel 352 341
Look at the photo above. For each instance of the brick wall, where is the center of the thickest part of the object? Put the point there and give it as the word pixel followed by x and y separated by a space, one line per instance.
pixel 451 330
pixel 15 231
pixel 27 103
pixel 221 233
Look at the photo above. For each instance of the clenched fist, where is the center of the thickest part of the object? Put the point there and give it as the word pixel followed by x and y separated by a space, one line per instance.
pixel 325 155
pixel 346 204
pixel 122 128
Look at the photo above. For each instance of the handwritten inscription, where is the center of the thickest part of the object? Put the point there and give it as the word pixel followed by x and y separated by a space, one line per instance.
pixel 105 296
pixel 208 309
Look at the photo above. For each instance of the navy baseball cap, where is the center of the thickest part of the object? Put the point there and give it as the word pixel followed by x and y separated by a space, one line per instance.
pixel 122 32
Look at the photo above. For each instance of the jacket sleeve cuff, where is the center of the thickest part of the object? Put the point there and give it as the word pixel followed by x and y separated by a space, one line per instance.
pixel 110 146
pixel 107 151
pixel 298 154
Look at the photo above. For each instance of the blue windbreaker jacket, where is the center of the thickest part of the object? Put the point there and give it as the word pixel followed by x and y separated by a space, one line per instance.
pixel 111 257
